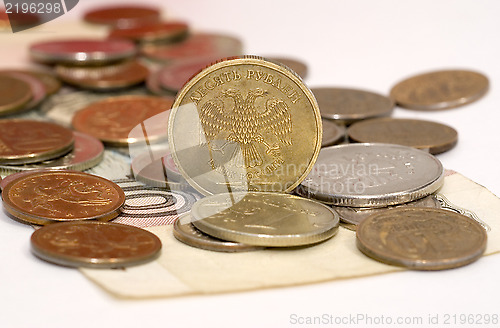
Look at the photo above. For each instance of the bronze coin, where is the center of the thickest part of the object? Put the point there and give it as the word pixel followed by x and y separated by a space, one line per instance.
pixel 346 106
pixel 332 133
pixel 295 65
pixel 49 196
pixel 425 135
pixel 440 90
pixel 421 238
pixel 113 120
pixel 123 16
pixel 38 90
pixel 109 77
pixel 26 141
pixel 166 32
pixel 95 244
pixel 49 81
pixel 14 94
pixel 14 176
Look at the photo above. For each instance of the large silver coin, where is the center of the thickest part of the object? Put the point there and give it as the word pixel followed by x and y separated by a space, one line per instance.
pixel 372 175
pixel 265 219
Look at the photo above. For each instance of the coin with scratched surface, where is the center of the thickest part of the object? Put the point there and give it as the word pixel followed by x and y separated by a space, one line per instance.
pixel 14 94
pixel 26 141
pixel 372 175
pixel 265 219
pixel 332 133
pixel 346 106
pixel 245 124
pixel 426 135
pixel 187 233
pixel 95 244
pixel 166 32
pixel 48 196
pixel 421 238
pixel 112 120
pixel 440 90
pixel 123 16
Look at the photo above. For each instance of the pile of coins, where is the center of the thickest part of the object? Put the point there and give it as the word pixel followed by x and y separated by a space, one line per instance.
pixel 245 138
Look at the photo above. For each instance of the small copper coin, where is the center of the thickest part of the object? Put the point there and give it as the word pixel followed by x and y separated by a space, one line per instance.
pixel 109 77
pixel 187 233
pixel 49 81
pixel 295 65
pixel 123 16
pixel 440 90
pixel 14 176
pixel 14 94
pixel 26 141
pixel 166 32
pixel 49 196
pixel 346 106
pixel 421 238
pixel 82 51
pixel 38 90
pixel 95 244
pixel 425 135
pixel 196 45
pixel 113 120
pixel 332 133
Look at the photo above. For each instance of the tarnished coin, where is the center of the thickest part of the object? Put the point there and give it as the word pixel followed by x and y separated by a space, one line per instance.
pixel 123 16
pixel 82 51
pixel 14 94
pixel 196 45
pixel 38 90
pixel 332 133
pixel 87 152
pixel 95 244
pixel 245 124
pixel 109 77
pixel 113 120
pixel 354 215
pixel 346 106
pixel 426 135
pixel 49 196
pixel 295 65
pixel 372 175
pixel 187 233
pixel 166 32
pixel 440 89
pixel 421 238
pixel 26 141
pixel 265 219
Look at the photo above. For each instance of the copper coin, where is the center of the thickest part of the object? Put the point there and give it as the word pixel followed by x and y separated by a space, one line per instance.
pixel 49 81
pixel 154 86
pixel 186 232
pixel 25 141
pixel 425 135
pixel 332 133
pixel 38 90
pixel 196 45
pixel 14 94
pixel 295 65
pixel 346 106
pixel 107 77
pixel 113 120
pixel 82 51
pixel 440 90
pixel 123 16
pixel 421 238
pixel 14 176
pixel 87 153
pixel 95 244
pixel 49 196
pixel 166 32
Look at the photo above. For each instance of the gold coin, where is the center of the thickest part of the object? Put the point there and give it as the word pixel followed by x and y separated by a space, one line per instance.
pixel 14 94
pixel 440 90
pixel 425 135
pixel 421 238
pixel 245 124
pixel 265 219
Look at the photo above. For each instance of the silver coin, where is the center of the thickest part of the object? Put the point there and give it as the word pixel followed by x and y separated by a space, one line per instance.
pixel 372 175
pixel 186 232
pixel 332 133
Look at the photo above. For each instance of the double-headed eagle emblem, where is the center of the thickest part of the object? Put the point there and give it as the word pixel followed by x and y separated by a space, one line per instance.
pixel 246 124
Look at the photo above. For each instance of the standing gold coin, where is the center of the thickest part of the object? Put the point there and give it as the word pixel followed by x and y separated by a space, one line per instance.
pixel 14 94
pixel 425 135
pixel 245 124
pixel 47 196
pixel 421 238
pixel 440 90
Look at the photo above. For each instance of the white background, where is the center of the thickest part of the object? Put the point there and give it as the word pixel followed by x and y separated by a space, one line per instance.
pixel 362 44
